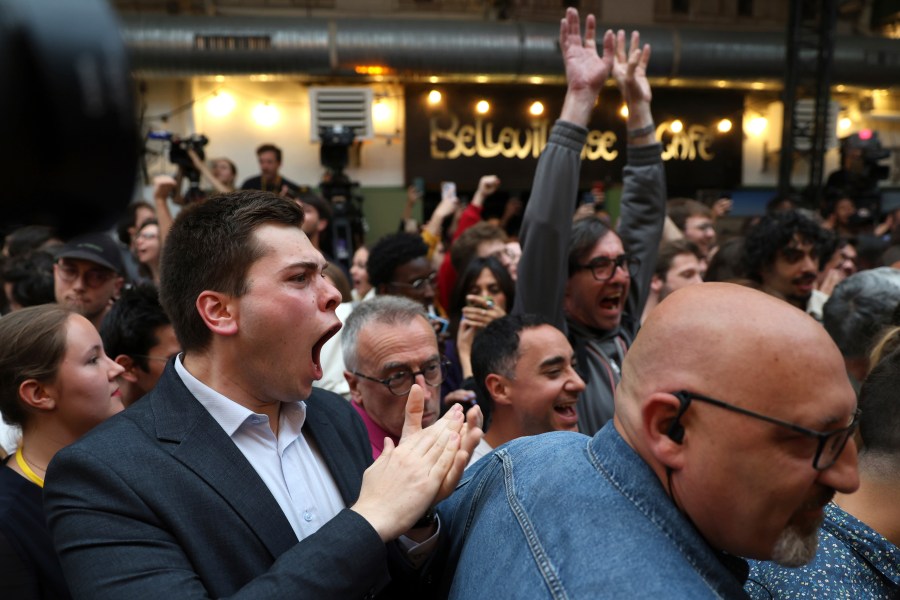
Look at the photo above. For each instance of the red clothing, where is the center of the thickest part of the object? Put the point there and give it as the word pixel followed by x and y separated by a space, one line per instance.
pixel 447 275
pixel 376 433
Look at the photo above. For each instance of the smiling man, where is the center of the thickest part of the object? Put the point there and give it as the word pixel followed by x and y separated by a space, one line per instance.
pixel 524 370
pixel 733 430
pixel 388 345
pixel 781 252
pixel 604 274
pixel 233 477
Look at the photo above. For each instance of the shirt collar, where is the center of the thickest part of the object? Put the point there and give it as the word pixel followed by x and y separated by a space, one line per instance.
pixel 229 414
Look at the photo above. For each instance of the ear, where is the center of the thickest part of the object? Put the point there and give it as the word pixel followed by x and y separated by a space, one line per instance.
pixel 353 382
pixel 498 387
pixel 656 284
pixel 120 281
pixel 658 414
pixel 219 312
pixel 36 395
pixel 128 363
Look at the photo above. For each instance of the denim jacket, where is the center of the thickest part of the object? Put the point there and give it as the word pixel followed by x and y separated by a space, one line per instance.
pixel 562 515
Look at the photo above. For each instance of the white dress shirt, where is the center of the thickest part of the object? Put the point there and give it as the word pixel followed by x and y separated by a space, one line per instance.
pixel 291 468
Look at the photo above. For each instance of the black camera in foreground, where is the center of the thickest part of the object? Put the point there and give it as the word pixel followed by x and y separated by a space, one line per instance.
pixel 67 102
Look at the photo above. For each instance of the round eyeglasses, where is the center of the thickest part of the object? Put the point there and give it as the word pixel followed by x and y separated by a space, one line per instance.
pixel 401 382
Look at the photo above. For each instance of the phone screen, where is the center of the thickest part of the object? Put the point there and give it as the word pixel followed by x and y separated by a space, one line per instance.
pixel 448 190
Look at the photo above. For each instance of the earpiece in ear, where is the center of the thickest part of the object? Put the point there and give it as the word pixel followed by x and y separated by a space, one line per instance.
pixel 676 432
pixel 676 429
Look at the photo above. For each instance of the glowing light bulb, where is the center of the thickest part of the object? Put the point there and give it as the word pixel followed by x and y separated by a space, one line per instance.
pixel 677 126
pixel 844 123
pixel 482 107
pixel 265 114
pixel 624 111
pixel 757 125
pixel 381 112
pixel 434 97
pixel 221 104
pixel 724 126
pixel 536 109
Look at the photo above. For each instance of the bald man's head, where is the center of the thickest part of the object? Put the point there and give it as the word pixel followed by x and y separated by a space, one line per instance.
pixel 745 482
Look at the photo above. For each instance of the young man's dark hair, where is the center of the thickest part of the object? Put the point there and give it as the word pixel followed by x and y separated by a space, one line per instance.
pixel 669 250
pixel 679 209
pixel 496 350
pixel 29 238
pixel 129 327
pixel 270 148
pixel 773 233
pixel 31 276
pixel 390 252
pixel 465 248
pixel 727 264
pixel 214 253
pixel 879 423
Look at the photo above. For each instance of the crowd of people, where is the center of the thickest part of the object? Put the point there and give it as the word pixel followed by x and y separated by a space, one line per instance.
pixel 548 406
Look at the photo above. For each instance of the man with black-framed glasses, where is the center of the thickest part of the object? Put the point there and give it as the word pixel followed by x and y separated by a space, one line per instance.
pixel 87 276
pixel 733 429
pixel 589 280
pixel 389 344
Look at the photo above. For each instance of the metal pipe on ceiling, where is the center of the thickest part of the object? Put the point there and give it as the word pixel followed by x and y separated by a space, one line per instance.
pixel 192 46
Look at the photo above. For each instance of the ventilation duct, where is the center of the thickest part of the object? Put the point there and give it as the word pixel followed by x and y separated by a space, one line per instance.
pixel 189 46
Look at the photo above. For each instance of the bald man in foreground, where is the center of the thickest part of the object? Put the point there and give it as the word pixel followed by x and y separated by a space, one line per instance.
pixel 732 430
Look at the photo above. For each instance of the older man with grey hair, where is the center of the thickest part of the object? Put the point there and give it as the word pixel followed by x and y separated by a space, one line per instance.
pixel 858 310
pixel 388 345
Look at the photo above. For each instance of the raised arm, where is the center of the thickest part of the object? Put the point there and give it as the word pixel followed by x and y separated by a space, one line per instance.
pixel 547 223
pixel 644 181
pixel 204 170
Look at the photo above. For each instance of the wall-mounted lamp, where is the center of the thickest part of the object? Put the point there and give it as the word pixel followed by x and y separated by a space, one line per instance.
pixel 265 114
pixel 482 107
pixel 757 125
pixel 724 126
pixel 434 97
pixel 536 109
pixel 220 104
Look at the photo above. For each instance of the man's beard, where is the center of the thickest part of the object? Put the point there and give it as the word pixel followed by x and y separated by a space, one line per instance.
pixel 794 547
pixel 797 544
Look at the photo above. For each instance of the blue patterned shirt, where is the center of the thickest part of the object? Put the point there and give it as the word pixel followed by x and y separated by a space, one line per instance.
pixel 853 561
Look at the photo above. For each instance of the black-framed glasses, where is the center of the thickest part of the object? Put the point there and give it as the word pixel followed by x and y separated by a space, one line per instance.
pixel 418 284
pixel 401 382
pixel 603 267
pixel 92 278
pixel 831 443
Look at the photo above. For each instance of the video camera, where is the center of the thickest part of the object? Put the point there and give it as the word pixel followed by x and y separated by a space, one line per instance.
pixel 347 223
pixel 178 155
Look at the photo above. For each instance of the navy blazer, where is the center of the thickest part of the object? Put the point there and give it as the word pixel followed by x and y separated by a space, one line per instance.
pixel 158 502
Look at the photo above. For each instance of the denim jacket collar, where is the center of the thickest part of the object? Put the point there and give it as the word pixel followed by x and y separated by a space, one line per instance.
pixel 620 464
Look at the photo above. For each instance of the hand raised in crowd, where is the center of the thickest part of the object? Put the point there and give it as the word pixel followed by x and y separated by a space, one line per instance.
pixel 488 184
pixel 630 71
pixel 721 207
pixel 480 311
pixel 586 71
pixel 420 471
pixel 163 186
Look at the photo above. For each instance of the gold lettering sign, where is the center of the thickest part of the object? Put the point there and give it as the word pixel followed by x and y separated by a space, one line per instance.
pixel 688 144
pixel 482 139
